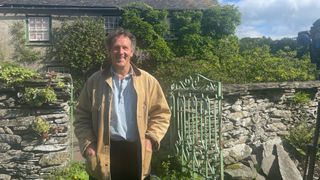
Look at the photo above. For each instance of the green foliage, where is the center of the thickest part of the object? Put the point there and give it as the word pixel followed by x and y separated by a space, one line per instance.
pixel 186 22
pixel 60 83
pixel 197 30
pixel 179 69
pixel 285 47
pixel 149 26
pixel 225 63
pixel 78 84
pixel 145 22
pixel 169 167
pixel 13 75
pixel 80 45
pixel 284 44
pixel 41 126
pixel 300 136
pixel 75 171
pixel 263 67
pixel 187 31
pixel 252 43
pixel 301 98
pixel 37 97
pixel 220 21
pixel 22 52
pixel 54 78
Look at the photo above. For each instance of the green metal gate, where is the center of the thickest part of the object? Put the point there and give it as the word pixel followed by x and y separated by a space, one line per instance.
pixel 196 123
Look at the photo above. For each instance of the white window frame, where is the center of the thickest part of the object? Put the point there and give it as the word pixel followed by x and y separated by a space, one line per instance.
pixel 111 23
pixel 39 28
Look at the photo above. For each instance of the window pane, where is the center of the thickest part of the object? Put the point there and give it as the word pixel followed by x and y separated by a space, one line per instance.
pixel 39 28
pixel 111 22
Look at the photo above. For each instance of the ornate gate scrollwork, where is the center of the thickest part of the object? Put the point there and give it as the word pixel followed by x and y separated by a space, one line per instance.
pixel 196 123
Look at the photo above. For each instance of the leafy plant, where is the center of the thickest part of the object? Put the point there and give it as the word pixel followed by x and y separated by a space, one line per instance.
pixel 301 98
pixel 13 75
pixel 41 126
pixel 54 78
pixel 300 136
pixel 75 171
pixel 169 167
pixel 37 97
pixel 22 52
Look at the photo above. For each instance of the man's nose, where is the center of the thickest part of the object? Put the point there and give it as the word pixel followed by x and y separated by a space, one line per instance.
pixel 121 50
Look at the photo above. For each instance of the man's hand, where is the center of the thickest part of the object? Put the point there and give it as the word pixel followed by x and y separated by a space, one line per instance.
pixel 148 145
pixel 91 150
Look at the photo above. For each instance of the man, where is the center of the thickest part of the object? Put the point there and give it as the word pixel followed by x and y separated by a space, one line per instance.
pixel 121 116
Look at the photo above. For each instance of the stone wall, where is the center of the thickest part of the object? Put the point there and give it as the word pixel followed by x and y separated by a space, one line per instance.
pixel 7 43
pixel 254 114
pixel 24 154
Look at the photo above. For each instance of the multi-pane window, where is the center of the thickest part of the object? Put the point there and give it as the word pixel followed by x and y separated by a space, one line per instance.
pixel 39 28
pixel 111 23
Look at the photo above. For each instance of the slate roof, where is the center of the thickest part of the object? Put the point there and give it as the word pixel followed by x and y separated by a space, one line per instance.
pixel 158 4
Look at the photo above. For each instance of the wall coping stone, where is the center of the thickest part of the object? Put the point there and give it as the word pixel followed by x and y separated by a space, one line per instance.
pixel 238 89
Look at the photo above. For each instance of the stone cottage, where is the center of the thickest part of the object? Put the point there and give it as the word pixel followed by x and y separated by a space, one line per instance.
pixel 40 17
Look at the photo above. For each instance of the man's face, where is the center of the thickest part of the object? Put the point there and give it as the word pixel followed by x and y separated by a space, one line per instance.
pixel 121 52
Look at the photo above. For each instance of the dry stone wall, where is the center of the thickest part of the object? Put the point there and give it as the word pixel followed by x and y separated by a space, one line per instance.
pixel 256 114
pixel 24 154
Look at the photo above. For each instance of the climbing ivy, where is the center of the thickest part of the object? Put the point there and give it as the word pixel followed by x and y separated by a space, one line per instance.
pixel 22 52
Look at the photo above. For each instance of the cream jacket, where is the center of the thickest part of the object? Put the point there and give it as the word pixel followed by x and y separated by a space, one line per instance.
pixel 92 119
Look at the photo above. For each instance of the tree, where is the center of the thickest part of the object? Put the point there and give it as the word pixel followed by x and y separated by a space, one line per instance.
pixel 187 31
pixel 220 21
pixel 252 43
pixel 197 30
pixel 149 26
pixel 284 44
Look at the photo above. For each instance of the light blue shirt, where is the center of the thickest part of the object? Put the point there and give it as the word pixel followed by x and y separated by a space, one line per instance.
pixel 124 105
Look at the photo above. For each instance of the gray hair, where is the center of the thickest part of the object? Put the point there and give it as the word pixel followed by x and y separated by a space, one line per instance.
pixel 120 32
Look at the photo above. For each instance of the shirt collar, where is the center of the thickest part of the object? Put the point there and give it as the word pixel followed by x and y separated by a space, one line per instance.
pixel 113 72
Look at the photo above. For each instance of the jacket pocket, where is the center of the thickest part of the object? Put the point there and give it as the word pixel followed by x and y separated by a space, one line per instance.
pixel 91 165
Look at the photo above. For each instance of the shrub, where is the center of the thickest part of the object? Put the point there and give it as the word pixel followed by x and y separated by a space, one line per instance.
pixel 13 75
pixel 80 45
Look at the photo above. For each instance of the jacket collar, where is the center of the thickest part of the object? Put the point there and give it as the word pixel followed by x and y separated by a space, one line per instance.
pixel 106 70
